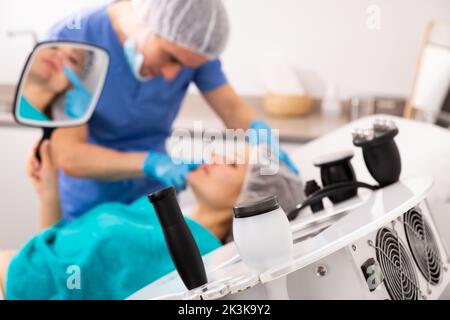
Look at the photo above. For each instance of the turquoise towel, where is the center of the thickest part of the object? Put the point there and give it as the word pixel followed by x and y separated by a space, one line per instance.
pixel 29 112
pixel 118 249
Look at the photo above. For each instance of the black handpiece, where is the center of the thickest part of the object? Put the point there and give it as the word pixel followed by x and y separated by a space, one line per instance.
pixel 381 153
pixel 310 188
pixel 182 246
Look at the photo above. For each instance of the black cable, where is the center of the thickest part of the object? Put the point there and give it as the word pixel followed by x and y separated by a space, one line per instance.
pixel 347 184
pixel 328 191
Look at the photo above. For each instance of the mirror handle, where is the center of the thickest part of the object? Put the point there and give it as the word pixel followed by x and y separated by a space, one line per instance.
pixel 46 134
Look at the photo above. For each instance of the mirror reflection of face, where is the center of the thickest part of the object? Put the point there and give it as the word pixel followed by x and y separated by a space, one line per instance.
pixel 60 84
pixel 47 67
pixel 52 73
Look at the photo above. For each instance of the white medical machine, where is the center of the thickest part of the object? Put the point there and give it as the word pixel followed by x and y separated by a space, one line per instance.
pixel 390 243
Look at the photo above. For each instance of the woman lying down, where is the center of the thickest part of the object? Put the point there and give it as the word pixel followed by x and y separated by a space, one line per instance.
pixel 116 249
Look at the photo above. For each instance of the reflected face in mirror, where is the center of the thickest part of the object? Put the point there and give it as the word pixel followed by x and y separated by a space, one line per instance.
pixel 59 84
pixel 47 70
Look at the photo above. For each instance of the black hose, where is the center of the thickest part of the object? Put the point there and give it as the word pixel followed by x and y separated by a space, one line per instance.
pixel 328 191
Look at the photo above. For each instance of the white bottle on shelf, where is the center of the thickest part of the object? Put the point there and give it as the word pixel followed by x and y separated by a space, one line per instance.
pixel 331 103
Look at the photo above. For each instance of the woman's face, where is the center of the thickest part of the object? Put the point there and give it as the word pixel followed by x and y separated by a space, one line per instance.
pixel 218 185
pixel 47 68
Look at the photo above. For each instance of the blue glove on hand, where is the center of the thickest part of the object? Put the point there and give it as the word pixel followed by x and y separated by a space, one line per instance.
pixel 161 167
pixel 78 98
pixel 264 134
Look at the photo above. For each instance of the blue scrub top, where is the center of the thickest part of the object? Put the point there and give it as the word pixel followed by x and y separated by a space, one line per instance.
pixel 130 115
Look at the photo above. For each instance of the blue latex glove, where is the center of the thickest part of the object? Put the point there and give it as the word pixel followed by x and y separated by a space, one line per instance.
pixel 161 167
pixel 78 98
pixel 264 135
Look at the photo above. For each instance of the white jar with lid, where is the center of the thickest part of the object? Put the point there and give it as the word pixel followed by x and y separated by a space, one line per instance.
pixel 263 237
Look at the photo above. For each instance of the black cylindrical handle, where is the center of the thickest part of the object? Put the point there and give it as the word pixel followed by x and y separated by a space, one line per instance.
pixel 179 239
pixel 46 134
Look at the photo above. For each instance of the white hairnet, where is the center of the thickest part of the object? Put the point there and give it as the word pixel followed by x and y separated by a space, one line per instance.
pixel 198 25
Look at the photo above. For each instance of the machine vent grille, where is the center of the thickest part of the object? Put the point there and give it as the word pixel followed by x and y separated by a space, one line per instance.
pixel 423 246
pixel 399 275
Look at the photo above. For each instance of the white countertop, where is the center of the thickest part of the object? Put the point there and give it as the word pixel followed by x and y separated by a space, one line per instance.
pixel 6 118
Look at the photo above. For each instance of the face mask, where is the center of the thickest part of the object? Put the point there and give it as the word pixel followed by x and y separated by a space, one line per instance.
pixel 134 58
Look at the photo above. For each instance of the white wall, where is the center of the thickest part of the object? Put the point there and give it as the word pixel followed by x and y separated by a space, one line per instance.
pixel 19 215
pixel 330 40
pixel 326 39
